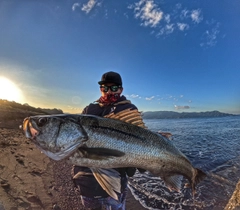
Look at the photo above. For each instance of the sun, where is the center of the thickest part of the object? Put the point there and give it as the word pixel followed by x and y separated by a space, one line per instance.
pixel 9 91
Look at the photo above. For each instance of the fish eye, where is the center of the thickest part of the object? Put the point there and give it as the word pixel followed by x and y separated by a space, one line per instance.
pixel 41 122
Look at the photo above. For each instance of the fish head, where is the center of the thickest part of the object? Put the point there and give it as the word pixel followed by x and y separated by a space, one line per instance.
pixel 58 136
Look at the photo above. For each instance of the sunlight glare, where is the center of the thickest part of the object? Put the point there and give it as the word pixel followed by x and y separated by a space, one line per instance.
pixel 9 91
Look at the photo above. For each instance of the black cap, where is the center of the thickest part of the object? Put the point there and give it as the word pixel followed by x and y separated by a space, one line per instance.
pixel 111 77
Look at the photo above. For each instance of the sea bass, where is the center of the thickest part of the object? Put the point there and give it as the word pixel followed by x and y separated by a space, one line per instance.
pixel 106 143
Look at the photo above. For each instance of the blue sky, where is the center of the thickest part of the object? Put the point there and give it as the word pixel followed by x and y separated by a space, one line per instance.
pixel 172 55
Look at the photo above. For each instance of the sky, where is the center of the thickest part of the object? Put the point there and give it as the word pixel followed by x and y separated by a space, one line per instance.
pixel 172 55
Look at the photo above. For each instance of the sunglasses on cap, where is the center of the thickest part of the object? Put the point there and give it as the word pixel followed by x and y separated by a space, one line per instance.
pixel 113 88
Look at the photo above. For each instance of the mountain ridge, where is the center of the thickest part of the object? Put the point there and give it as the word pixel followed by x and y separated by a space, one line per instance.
pixel 16 112
pixel 13 113
pixel 178 115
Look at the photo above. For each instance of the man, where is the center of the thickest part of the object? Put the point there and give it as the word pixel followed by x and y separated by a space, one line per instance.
pixel 93 196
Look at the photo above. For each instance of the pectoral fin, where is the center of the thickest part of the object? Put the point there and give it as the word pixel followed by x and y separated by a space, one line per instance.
pixel 109 180
pixel 99 153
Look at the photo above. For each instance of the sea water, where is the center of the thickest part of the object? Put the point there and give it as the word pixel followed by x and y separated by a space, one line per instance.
pixel 211 144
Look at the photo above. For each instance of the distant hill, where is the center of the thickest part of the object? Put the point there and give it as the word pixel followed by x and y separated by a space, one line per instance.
pixel 177 115
pixel 12 113
pixel 6 105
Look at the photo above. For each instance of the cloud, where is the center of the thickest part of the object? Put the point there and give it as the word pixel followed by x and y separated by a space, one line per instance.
pixel 148 12
pixel 167 18
pixel 182 26
pixel 150 98
pixel 75 6
pixel 169 28
pixel 176 18
pixel 134 96
pixel 89 6
pixel 184 14
pixel 210 36
pixel 165 22
pixel 196 16
pixel 181 107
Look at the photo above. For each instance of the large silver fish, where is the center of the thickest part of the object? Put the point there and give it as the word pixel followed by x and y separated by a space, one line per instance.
pixel 106 143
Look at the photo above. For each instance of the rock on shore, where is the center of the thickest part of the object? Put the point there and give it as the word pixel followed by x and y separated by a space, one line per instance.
pixel 234 202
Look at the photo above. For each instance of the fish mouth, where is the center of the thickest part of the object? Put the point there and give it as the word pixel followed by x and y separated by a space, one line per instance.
pixel 28 129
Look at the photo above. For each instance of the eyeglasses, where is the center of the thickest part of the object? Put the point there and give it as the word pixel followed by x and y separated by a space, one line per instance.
pixel 113 88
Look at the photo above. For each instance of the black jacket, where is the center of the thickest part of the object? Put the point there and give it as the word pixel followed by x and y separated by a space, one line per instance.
pixel 87 184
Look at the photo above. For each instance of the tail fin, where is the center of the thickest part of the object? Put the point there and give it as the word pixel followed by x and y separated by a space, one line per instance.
pixel 199 175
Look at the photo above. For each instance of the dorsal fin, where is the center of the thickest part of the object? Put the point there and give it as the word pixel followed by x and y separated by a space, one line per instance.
pixel 132 116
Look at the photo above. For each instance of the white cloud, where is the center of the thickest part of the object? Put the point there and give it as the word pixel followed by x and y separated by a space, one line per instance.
pixel 182 26
pixel 134 96
pixel 180 18
pixel 210 36
pixel 196 16
pixel 169 28
pixel 148 12
pixel 184 14
pixel 150 15
pixel 75 6
pixel 150 98
pixel 89 6
pixel 167 18
pixel 178 6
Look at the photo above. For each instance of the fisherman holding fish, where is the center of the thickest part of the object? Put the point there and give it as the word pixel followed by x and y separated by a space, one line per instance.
pixel 106 144
pixel 93 196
